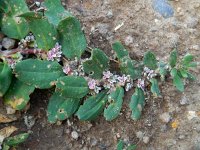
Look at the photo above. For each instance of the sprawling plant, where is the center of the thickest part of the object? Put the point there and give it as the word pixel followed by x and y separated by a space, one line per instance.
pixel 52 53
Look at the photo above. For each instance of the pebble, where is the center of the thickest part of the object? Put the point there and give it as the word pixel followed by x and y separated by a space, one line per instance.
pixel 74 135
pixel 128 40
pixel 192 22
pixel 163 8
pixel 191 115
pixel 181 137
pixel 109 14
pixel 195 47
pixel 146 139
pixel 139 134
pixel 184 101
pixel 165 117
pixel 8 43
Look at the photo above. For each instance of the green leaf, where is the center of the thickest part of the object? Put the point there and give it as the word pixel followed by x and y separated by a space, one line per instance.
pixel 4 6
pixel 150 60
pixel 132 147
pixel 188 58
pixel 17 95
pixel 72 86
pixel 162 70
pixel 137 103
pixel 5 78
pixel 71 37
pixel 60 108
pixel 98 63
pixel 191 65
pixel 120 50
pixel 115 99
pixel 55 11
pixel 12 25
pixel 17 139
pixel 183 73
pixel 92 107
pixel 191 76
pixel 120 145
pixel 45 33
pixel 130 67
pixel 154 87
pixel 5 147
pixel 177 82
pixel 173 58
pixel 39 73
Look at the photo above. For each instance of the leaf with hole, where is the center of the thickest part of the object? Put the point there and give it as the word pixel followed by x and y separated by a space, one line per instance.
pixel 98 63
pixel 55 11
pixel 45 33
pixel 71 37
pixel 18 94
pixel 12 25
pixel 5 78
pixel 150 60
pixel 72 86
pixel 92 107
pixel 115 100
pixel 137 103
pixel 39 73
pixel 61 108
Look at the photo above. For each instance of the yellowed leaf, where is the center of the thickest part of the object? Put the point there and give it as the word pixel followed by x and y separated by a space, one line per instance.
pixel 6 119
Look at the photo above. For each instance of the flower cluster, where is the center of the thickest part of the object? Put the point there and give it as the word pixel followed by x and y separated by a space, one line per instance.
pixel 73 67
pixel 148 73
pixel 55 53
pixel 110 81
pixel 140 84
pixel 28 39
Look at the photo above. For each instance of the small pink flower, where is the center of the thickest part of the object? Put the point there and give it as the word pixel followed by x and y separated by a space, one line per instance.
pixel 140 84
pixel 107 75
pixel 55 53
pixel 92 84
pixel 122 80
pixel 67 69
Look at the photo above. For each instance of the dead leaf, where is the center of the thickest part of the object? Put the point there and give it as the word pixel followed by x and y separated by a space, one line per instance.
pixel 6 132
pixel 6 118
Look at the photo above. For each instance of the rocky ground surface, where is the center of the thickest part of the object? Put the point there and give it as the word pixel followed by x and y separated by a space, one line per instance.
pixel 168 123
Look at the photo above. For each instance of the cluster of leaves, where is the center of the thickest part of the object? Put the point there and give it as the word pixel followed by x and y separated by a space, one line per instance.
pixel 121 145
pixel 7 141
pixel 72 94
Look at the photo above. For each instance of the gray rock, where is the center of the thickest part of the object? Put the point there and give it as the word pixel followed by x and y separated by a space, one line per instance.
pixel 139 134
pixel 184 100
pixel 103 28
pixel 8 43
pixel 192 22
pixel 165 117
pixel 146 139
pixel 109 14
pixel 128 40
pixel 74 135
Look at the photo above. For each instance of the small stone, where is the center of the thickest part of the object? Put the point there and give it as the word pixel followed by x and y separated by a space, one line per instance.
pixel 128 40
pixel 195 47
pixel 10 110
pixel 146 139
pixel 109 14
pixel 184 101
pixel 139 134
pixel 29 121
pixel 181 137
pixel 93 142
pixel 8 43
pixel 165 117
pixel 191 115
pixel 118 135
pixel 74 135
pixel 192 22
